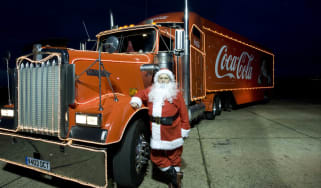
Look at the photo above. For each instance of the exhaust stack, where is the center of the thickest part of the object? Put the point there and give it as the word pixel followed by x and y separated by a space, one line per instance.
pixel 186 65
pixel 111 16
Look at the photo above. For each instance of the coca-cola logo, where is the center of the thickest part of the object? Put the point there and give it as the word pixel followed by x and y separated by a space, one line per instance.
pixel 232 66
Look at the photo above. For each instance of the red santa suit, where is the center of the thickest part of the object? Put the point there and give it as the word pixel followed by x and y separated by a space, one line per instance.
pixel 166 140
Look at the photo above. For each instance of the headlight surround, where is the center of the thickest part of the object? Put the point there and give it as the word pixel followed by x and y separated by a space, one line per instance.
pixel 6 112
pixel 91 120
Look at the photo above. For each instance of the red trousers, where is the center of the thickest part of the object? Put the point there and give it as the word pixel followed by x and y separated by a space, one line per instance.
pixel 165 158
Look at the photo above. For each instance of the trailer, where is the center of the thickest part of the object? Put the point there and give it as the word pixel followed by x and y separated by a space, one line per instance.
pixel 70 115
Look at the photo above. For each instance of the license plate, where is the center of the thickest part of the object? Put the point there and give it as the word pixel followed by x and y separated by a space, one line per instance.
pixel 45 165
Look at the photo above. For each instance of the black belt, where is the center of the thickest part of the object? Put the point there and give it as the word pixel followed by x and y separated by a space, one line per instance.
pixel 164 120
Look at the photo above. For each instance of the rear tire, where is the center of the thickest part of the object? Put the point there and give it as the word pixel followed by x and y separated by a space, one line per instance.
pixel 216 110
pixel 131 160
pixel 218 103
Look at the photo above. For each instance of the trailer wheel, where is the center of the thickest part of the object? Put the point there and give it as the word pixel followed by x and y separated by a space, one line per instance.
pixel 216 110
pixel 218 103
pixel 131 160
pixel 211 115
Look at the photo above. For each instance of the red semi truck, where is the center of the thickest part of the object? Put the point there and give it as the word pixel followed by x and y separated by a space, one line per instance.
pixel 70 116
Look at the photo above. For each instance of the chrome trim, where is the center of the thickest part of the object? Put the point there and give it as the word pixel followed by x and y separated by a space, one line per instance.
pixel 186 65
pixel 67 161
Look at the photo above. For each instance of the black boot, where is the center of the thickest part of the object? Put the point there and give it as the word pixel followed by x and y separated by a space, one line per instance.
pixel 172 177
pixel 179 179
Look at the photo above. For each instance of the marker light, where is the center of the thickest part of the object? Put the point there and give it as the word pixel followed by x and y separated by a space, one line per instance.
pixel 132 91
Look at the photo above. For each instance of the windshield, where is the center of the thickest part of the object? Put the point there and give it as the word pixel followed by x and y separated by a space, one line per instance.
pixel 141 41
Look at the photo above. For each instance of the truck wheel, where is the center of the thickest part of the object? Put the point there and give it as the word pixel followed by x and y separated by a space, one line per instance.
pixel 216 110
pixel 218 103
pixel 211 115
pixel 131 160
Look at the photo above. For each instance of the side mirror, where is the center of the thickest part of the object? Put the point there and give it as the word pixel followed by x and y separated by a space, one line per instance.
pixel 179 42
pixel 111 44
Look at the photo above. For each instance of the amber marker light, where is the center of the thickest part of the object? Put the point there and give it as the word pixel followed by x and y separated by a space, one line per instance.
pixel 132 91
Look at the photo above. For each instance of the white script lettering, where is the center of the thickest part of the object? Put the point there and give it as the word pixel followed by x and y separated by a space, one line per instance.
pixel 238 67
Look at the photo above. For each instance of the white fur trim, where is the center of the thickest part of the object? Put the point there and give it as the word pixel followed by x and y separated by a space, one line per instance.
pixel 164 71
pixel 177 168
pixel 166 145
pixel 164 169
pixel 156 131
pixel 136 100
pixel 185 133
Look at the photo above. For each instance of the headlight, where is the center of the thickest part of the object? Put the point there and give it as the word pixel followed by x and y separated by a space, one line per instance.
pixel 92 120
pixel 7 112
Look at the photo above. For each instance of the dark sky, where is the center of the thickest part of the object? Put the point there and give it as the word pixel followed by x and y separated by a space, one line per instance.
pixel 291 29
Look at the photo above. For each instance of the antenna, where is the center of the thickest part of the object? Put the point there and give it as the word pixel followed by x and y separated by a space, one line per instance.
pixel 7 59
pixel 83 22
pixel 83 44
pixel 111 17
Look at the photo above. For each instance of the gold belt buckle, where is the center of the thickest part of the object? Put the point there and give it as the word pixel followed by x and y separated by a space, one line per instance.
pixel 157 120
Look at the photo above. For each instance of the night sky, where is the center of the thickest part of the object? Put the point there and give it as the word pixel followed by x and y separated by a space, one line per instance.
pixel 291 29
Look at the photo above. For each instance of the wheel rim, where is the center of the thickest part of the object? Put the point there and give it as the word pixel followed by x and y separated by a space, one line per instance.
pixel 142 153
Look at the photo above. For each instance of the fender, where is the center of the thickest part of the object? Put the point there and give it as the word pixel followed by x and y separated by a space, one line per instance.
pixel 116 116
pixel 120 119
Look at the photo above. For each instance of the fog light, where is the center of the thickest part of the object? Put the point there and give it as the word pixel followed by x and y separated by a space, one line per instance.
pixel 7 112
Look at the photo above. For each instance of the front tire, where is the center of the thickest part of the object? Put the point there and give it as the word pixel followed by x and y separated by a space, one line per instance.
pixel 131 160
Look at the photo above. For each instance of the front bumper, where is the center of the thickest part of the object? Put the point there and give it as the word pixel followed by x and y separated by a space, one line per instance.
pixel 87 166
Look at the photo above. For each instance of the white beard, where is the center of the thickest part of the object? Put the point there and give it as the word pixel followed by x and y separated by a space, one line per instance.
pixel 161 92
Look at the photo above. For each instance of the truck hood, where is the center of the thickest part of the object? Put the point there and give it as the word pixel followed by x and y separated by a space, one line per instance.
pixel 122 69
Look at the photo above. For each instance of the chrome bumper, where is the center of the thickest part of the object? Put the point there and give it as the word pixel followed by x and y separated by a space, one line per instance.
pixel 87 166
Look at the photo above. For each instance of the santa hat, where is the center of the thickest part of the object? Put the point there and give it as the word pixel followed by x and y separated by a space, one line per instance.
pixel 164 71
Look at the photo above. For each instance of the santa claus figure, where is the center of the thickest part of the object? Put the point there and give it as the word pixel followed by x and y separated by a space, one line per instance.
pixel 169 123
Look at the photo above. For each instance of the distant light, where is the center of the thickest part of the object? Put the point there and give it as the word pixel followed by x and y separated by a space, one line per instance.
pixel 144 35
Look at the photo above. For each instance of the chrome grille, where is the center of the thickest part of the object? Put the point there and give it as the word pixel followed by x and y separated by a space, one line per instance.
pixel 39 97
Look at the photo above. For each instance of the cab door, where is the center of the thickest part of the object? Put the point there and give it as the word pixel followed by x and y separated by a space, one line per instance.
pixel 197 57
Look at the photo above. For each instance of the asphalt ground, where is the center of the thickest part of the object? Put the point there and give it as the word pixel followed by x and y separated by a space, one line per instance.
pixel 277 144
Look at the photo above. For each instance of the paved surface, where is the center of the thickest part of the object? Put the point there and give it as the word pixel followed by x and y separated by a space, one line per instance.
pixel 264 145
